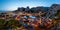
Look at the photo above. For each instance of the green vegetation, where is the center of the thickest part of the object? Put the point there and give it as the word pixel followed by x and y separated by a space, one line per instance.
pixel 9 24
pixel 2 24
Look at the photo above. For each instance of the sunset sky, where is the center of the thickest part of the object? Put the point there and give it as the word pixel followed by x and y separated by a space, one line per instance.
pixel 11 5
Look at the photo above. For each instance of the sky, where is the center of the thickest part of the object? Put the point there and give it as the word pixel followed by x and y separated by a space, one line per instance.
pixel 11 5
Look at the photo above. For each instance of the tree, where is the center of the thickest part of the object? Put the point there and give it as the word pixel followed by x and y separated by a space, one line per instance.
pixel 58 14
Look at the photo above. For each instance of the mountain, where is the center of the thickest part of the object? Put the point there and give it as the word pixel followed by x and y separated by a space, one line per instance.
pixel 33 9
pixel 44 9
pixel 53 10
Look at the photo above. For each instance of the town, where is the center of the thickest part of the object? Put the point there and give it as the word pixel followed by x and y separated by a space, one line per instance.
pixel 35 18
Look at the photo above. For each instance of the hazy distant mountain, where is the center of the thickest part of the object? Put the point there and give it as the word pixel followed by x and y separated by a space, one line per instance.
pixel 3 11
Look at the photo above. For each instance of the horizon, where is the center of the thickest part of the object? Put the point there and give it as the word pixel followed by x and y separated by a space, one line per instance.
pixel 11 5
